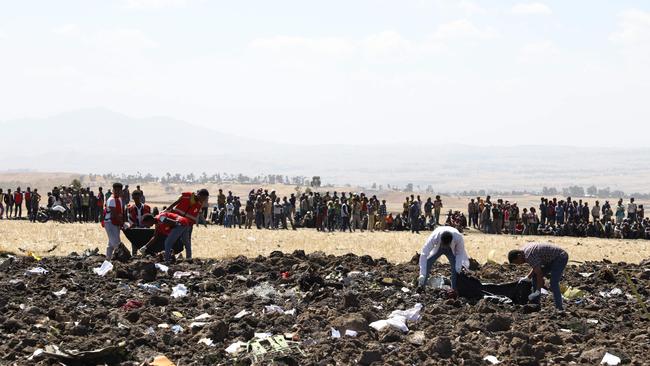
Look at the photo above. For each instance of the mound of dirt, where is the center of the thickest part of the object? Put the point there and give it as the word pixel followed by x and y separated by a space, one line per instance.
pixel 298 309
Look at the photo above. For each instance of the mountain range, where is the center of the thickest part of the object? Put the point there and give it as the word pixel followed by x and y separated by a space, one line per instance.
pixel 101 141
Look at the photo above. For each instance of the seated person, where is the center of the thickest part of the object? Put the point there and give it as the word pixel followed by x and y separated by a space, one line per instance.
pixel 519 228
pixel 164 223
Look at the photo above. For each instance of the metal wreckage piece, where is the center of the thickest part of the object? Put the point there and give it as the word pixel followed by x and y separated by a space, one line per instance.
pixel 267 349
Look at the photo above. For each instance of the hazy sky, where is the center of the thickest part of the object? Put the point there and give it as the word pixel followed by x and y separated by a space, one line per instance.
pixel 374 71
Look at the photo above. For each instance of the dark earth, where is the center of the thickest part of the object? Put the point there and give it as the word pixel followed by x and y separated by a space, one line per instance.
pixel 118 319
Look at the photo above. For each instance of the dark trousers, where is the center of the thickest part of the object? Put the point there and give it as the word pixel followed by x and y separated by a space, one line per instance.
pixel 555 269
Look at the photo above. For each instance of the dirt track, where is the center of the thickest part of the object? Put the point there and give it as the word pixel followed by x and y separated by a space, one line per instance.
pixel 344 292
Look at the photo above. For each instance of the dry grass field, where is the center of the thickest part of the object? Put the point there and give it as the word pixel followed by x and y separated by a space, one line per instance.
pixel 217 242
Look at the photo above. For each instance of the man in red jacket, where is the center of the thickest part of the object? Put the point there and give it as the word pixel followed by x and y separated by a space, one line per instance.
pixel 137 210
pixel 188 205
pixel 164 223
pixel 18 203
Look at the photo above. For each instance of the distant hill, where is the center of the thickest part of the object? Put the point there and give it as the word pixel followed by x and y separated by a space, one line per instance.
pixel 100 141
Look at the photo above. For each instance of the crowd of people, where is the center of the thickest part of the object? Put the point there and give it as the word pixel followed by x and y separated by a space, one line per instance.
pixel 347 211
pixel 66 203
pixel 342 211
pixel 560 217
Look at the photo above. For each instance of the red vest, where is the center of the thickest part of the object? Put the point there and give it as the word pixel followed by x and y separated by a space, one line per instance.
pixel 188 207
pixel 163 228
pixel 18 198
pixel 28 196
pixel 135 217
pixel 117 212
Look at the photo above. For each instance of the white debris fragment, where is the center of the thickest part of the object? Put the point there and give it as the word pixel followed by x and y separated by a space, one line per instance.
pixel 104 268
pixel 36 271
pixel 242 314
pixel 610 360
pixel 351 333
pixel 262 335
pixel 335 333
pixel 179 291
pixel 236 347
pixel 398 319
pixel 203 316
pixel 491 359
pixel 61 292
pixel 207 341
pixel 162 268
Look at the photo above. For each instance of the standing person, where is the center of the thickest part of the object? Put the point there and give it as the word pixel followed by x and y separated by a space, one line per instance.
pixel 268 213
pixel 2 207
pixel 18 204
pixel 277 211
pixel 356 214
pixel 250 213
pixel 85 205
pixel 221 200
pixel 230 214
pixel 545 259
pixel 543 209
pixel 595 212
pixel 620 212
pixel 114 220
pixel 631 210
pixel 447 241
pixel 99 204
pixel 345 215
pixel 470 211
pixel 35 199
pixel 414 217
pixel 188 205
pixel 9 204
pixel 372 210
pixel 126 196
pixel 437 206
pixel 28 201
pixel 76 205
pixel 428 210
pixel 383 213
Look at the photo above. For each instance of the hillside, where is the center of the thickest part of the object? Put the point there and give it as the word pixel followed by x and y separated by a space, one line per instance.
pixel 101 141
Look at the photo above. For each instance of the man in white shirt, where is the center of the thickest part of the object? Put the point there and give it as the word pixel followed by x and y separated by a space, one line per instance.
pixel 631 210
pixel 114 220
pixel 447 241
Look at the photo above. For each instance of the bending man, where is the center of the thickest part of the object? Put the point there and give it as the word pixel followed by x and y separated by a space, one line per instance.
pixel 447 241
pixel 545 259
pixel 188 205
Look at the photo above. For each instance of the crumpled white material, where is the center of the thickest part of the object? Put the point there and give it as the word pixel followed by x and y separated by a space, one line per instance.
pixel 398 318
pixel 104 268
pixel 179 291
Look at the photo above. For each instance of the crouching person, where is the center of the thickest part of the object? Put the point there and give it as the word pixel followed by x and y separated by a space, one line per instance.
pixel 164 223
pixel 545 259
pixel 447 241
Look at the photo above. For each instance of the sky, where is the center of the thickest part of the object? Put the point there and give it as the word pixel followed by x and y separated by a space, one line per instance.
pixel 341 72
